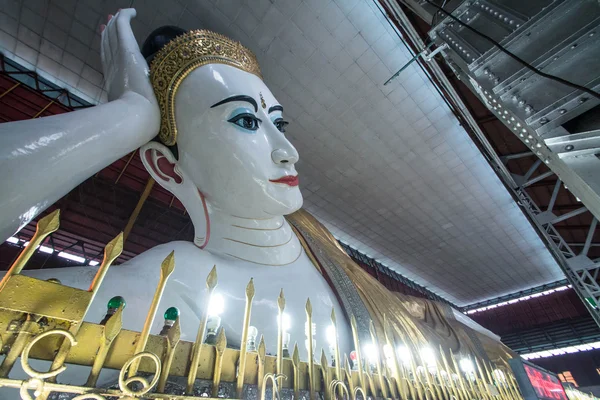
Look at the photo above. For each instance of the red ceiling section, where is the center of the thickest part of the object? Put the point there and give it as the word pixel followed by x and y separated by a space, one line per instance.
pixel 20 102
pixel 531 313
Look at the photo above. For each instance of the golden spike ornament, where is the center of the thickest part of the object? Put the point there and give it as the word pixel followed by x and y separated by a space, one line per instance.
pixel 166 269
pixel 336 352
pixel 480 386
pixel 348 371
pixel 461 382
pixel 244 341
pixel 172 340
pixel 262 351
pixel 113 249
pixel 384 391
pixel 495 382
pixel 219 349
pixel 430 386
pixel 396 368
pixel 45 226
pixel 361 377
pixel 455 391
pixel 483 380
pixel 280 307
pixel 371 383
pixel 311 361
pixel 326 375
pixel 211 283
pixel 109 333
pixel 296 367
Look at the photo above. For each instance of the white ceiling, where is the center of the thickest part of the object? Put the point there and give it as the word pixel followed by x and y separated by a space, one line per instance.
pixel 386 168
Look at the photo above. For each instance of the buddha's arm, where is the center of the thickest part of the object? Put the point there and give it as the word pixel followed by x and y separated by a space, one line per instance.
pixel 43 159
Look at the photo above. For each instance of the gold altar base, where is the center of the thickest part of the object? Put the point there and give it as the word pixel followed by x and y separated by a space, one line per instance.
pixel 44 320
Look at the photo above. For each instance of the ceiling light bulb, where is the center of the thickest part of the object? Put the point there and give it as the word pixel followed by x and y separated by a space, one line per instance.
pixel 404 355
pixel 428 356
pixel 466 365
pixel 287 322
pixel 371 352
pixel 330 335
pixel 216 305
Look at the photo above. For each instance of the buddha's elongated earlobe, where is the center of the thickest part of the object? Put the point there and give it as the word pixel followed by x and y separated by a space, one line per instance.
pixel 163 167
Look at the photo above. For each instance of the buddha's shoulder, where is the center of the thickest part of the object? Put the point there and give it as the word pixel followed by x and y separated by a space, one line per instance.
pixel 184 253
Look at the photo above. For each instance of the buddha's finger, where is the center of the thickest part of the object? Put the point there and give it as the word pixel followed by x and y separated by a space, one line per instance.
pixel 111 30
pixel 124 32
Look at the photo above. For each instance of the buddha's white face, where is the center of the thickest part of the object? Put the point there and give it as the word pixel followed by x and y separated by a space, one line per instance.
pixel 231 143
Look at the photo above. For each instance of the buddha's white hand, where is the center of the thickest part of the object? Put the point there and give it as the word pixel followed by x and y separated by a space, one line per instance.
pixel 125 69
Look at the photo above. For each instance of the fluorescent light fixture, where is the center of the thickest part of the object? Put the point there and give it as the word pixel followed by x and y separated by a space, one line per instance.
pixel 524 298
pixel 46 249
pixel 93 263
pixel 12 240
pixel 563 350
pixel 71 257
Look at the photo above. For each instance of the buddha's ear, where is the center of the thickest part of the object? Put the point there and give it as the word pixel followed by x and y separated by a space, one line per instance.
pixel 162 166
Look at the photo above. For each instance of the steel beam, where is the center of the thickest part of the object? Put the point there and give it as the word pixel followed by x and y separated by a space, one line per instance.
pixel 515 156
pixel 558 247
pixel 532 169
pixel 590 236
pixel 568 215
pixel 554 195
pixel 538 178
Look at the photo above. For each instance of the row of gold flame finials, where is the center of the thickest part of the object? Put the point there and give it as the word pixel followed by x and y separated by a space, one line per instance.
pixel 396 377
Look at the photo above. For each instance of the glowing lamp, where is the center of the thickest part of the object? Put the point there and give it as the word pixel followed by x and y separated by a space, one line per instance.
pixel 404 355
pixel 330 335
pixel 428 356
pixel 371 353
pixel 499 375
pixel 287 322
pixel 466 366
pixel 216 305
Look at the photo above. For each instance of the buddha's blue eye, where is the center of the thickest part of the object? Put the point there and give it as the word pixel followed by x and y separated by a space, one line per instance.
pixel 246 121
pixel 280 123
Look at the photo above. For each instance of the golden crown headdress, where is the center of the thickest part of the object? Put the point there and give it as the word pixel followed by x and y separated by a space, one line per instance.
pixel 178 58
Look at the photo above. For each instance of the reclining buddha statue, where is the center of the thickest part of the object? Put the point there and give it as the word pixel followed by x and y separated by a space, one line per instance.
pixel 211 132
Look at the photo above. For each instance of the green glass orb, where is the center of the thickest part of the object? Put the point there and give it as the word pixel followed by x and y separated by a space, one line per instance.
pixel 172 313
pixel 116 302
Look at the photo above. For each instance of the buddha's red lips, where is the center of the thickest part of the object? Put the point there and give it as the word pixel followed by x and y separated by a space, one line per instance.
pixel 287 180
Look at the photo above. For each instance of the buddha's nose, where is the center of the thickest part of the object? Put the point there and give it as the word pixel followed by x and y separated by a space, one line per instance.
pixel 285 156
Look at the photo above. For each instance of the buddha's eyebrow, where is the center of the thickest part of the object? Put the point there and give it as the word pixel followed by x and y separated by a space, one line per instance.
pixel 275 108
pixel 240 97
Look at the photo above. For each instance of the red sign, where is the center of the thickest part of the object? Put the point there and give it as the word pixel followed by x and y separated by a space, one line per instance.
pixel 546 386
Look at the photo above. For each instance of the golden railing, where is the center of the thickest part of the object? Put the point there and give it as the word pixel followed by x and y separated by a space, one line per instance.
pixel 48 324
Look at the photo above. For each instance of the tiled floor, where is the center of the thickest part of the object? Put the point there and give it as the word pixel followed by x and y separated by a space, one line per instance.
pixel 386 168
